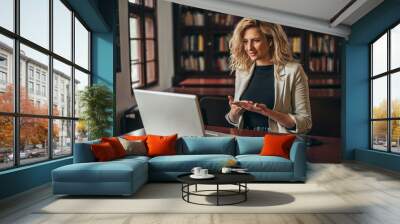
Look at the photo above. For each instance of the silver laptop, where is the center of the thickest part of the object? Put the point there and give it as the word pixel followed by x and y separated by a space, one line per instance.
pixel 166 113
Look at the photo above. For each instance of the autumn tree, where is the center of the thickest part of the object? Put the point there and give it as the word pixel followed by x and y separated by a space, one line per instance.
pixel 33 131
pixel 6 122
pixel 380 127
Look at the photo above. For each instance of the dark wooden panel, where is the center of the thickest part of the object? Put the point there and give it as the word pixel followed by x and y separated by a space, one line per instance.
pixel 325 116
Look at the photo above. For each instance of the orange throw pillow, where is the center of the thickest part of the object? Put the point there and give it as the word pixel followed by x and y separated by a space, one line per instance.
pixel 103 151
pixel 116 145
pixel 161 145
pixel 135 138
pixel 277 145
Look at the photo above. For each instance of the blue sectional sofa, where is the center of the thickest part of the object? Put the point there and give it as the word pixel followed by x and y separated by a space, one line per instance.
pixel 125 176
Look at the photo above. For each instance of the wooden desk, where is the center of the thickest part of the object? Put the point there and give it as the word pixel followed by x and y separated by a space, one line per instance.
pixel 208 82
pixel 203 91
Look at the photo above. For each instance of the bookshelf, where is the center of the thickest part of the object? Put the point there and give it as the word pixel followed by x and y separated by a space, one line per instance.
pixel 320 56
pixel 201 43
pixel 201 52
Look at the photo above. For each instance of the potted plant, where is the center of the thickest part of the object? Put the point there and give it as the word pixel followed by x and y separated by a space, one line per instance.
pixel 96 102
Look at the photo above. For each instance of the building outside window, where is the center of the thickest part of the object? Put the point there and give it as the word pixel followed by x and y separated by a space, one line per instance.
pixel 3 61
pixel 38 89
pixel 3 79
pixel 56 127
pixel 3 72
pixel 43 90
pixel 385 92
pixel 30 72
pixel 44 77
pixel 37 75
pixel 30 87
pixel 143 43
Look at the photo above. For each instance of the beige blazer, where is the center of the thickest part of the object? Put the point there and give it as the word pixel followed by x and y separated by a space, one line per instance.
pixel 291 97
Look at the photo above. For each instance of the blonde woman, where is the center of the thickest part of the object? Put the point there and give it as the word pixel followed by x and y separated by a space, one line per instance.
pixel 271 89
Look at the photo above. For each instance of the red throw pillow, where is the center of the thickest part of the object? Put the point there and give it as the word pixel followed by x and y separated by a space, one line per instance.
pixel 161 145
pixel 135 138
pixel 116 145
pixel 103 151
pixel 277 145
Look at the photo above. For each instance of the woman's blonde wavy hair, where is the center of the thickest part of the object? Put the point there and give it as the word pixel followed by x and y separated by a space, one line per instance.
pixel 280 51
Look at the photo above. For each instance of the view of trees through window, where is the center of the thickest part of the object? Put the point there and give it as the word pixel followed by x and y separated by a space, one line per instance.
pixel 40 83
pixel 385 92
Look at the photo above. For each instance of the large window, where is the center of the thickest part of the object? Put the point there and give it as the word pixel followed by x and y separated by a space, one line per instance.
pixel 44 64
pixel 143 43
pixel 385 92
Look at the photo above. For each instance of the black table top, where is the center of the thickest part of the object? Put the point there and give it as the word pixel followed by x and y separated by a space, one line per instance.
pixel 220 178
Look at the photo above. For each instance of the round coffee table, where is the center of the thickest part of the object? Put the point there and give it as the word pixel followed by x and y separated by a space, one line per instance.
pixel 238 179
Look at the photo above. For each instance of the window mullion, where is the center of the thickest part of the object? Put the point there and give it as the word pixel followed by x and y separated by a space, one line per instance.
pixel 389 106
pixel 50 81
pixel 73 82
pixel 16 85
pixel 143 36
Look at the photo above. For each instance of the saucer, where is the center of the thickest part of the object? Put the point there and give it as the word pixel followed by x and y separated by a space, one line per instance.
pixel 208 176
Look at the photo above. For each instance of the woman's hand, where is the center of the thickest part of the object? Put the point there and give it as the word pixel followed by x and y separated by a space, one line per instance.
pixel 262 109
pixel 253 107
pixel 235 111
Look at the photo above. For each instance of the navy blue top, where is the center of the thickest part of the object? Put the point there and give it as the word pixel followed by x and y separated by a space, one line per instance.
pixel 260 90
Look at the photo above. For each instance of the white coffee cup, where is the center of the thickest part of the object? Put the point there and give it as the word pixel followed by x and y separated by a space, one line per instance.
pixel 226 170
pixel 196 170
pixel 203 172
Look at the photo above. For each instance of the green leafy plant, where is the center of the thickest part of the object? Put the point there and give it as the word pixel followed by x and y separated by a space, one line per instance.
pixel 96 102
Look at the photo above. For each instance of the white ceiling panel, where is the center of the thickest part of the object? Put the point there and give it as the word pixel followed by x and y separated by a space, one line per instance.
pixel 312 15
pixel 320 9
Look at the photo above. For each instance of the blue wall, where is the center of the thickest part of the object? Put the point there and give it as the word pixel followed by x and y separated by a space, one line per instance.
pixel 100 16
pixel 104 52
pixel 356 87
pixel 24 178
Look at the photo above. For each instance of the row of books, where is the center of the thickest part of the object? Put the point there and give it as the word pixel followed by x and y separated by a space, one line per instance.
pixel 325 92
pixel 193 63
pixel 321 44
pixel 322 64
pixel 295 44
pixel 193 43
pixel 330 81
pixel 222 43
pixel 223 19
pixel 222 64
pixel 193 18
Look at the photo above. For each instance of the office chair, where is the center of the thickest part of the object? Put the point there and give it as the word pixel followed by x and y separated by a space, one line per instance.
pixel 213 110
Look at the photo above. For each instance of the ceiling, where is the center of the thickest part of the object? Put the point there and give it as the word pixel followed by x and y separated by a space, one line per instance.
pixel 319 9
pixel 316 15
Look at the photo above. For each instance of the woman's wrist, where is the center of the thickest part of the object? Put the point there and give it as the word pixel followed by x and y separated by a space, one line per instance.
pixel 232 117
pixel 267 112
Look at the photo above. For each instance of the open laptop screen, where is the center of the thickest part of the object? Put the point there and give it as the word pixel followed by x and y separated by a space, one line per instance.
pixel 165 113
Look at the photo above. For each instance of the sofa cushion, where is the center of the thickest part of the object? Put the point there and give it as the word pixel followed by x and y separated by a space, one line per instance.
pixel 277 145
pixel 185 163
pixel 161 145
pixel 116 145
pixel 135 138
pixel 133 157
pixel 257 163
pixel 249 145
pixel 83 152
pixel 206 145
pixel 112 171
pixel 103 152
pixel 133 147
